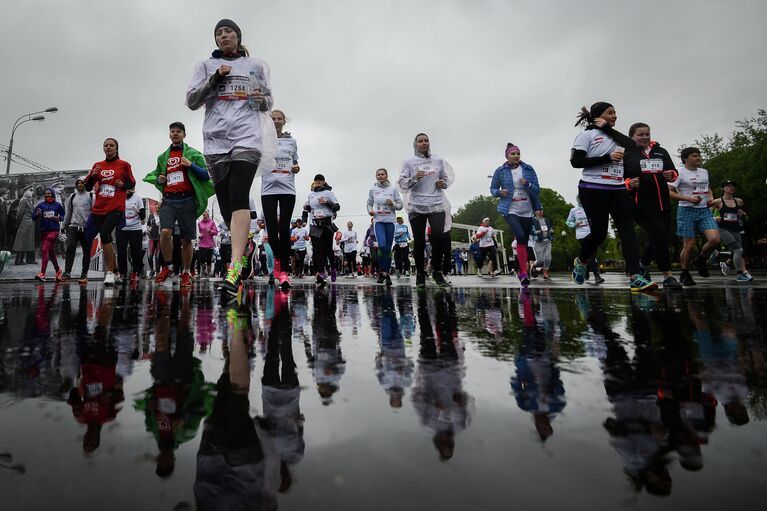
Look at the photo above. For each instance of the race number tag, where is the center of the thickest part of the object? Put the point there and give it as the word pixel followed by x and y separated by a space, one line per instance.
pixel 49 214
pixel 94 389
pixel 613 172
pixel 233 88
pixel 519 195
pixel 107 191
pixel 380 198
pixel 651 166
pixel 166 405
pixel 730 217
pixel 544 229
pixel 403 244
pixel 701 188
pixel 174 178
pixel 426 168
pixel 282 166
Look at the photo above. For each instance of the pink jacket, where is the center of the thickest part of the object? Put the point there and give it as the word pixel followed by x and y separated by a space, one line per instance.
pixel 207 230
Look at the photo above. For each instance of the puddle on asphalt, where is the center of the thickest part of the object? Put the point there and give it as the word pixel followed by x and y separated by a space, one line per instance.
pixel 367 398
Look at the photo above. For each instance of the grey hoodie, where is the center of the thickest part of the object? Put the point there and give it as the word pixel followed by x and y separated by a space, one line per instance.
pixel 78 207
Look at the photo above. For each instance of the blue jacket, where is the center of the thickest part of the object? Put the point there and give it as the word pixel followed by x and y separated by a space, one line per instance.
pixel 503 180
pixel 47 215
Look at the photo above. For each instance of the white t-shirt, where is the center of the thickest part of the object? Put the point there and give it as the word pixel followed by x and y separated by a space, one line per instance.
pixel 350 241
pixel 487 239
pixel 598 143
pixel 299 233
pixel 132 206
pixel 692 183
pixel 582 227
pixel 229 120
pixel 520 201
pixel 377 203
pixel 281 179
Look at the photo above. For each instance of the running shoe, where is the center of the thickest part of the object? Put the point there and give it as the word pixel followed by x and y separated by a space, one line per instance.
pixel 724 267
pixel 5 256
pixel 284 281
pixel 714 257
pixel 40 276
pixel 579 271
pixel 186 280
pixel 638 283
pixel 700 265
pixel 333 275
pixel 439 279
pixel 161 277
pixel 109 279
pixel 744 277
pixel 598 280
pixel 321 279
pixel 407 274
pixel 380 279
pixel 387 280
pixel 686 279
pixel 59 276
pixel 118 278
pixel 524 279
pixel 83 278
pixel 533 272
pixel 420 280
pixel 671 283
pixel 644 271
pixel 271 279
pixel 232 283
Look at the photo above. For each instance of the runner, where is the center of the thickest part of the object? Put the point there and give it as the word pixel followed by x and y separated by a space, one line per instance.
pixel 182 178
pixel 485 236
pixel 50 213
pixel 423 180
pixel 542 235
pixel 322 205
pixel 401 248
pixel 110 178
pixel 730 218
pixel 131 234
pixel 239 137
pixel 349 239
pixel 603 194
pixel 648 169
pixel 691 188
pixel 299 236
pixel 383 200
pixel 207 243
pixel 278 192
pixel 578 220
pixel 263 242
pixel 78 208
pixel 516 183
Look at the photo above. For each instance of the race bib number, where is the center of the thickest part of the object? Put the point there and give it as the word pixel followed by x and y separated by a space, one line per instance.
pixel 94 389
pixel 233 88
pixel 519 196
pixel 701 188
pixel 403 244
pixel 49 214
pixel 426 168
pixel 544 229
pixel 107 191
pixel 174 178
pixel 730 217
pixel 613 172
pixel 651 166
pixel 166 405
pixel 282 166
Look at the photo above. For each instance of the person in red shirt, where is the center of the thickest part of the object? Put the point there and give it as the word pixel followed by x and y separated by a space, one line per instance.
pixel 109 178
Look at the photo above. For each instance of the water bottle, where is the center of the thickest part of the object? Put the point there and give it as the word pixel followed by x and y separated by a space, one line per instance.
pixel 254 86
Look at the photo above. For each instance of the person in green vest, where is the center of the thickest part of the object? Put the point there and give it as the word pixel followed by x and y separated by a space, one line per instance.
pixel 182 177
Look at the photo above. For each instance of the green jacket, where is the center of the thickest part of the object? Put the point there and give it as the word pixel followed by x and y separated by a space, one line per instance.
pixel 203 190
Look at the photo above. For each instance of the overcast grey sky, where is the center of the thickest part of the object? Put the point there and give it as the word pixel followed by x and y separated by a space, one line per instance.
pixel 359 79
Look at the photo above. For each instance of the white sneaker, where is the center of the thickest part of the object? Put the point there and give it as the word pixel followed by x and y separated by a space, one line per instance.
pixel 118 278
pixel 109 279
pixel 725 269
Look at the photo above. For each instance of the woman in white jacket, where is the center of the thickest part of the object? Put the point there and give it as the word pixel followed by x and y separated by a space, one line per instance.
pixel 383 200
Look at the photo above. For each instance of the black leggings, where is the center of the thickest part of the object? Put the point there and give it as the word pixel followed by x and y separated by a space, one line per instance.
pixel 401 259
pixel 322 251
pixel 437 224
pixel 233 191
pixel 351 261
pixel 600 205
pixel 657 225
pixel 132 238
pixel 300 256
pixel 106 223
pixel 77 236
pixel 281 226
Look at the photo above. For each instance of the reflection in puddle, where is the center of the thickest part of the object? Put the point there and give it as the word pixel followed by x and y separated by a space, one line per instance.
pixel 292 396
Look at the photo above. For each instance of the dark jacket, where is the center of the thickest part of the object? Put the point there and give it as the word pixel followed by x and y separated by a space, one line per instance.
pixel 50 214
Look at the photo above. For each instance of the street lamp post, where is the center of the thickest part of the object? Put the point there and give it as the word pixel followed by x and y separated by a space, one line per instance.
pixel 21 120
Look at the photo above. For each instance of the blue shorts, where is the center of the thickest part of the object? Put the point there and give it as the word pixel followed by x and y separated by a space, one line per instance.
pixel 690 221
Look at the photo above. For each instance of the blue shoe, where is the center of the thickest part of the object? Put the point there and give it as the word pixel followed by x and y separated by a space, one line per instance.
pixel 744 277
pixel 579 271
pixel 639 283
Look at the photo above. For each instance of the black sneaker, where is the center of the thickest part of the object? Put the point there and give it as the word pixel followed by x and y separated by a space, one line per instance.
pixel 671 283
pixel 380 279
pixel 439 279
pixel 598 280
pixel 686 279
pixel 420 280
pixel 388 280
pixel 700 265
pixel 271 279
pixel 321 279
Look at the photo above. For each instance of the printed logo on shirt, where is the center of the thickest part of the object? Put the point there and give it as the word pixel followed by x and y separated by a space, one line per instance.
pixel 107 173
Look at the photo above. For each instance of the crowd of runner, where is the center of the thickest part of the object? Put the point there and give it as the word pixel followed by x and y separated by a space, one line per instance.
pixel 629 179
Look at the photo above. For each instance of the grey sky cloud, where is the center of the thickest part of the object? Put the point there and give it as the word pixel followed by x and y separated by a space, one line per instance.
pixel 359 79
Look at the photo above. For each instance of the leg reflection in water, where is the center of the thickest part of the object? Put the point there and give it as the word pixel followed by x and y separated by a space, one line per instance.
pixel 237 466
pixel 438 396
pixel 394 368
pixel 325 358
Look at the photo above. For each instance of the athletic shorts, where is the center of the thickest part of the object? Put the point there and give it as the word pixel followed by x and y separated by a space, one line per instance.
pixel 184 212
pixel 488 252
pixel 690 221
